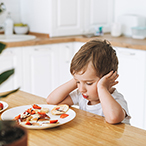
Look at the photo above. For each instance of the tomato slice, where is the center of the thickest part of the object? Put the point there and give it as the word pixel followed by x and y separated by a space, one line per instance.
pixel 28 123
pixel 30 111
pixel 1 106
pixel 17 117
pixel 64 116
pixel 41 113
pixel 53 121
pixel 57 108
pixel 35 106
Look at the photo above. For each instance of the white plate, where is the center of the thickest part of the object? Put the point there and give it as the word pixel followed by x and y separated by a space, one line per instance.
pixel 5 106
pixel 13 112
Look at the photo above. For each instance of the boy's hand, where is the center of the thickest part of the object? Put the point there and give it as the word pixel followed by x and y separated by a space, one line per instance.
pixel 108 81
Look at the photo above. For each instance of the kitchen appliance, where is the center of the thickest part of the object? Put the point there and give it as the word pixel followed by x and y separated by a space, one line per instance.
pixel 138 32
pixel 130 20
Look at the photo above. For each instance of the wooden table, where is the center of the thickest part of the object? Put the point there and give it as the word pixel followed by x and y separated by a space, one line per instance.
pixel 86 129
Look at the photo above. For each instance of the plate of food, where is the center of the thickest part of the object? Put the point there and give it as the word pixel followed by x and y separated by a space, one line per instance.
pixel 3 106
pixel 40 116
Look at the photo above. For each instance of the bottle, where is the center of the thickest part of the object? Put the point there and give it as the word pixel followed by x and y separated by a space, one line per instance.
pixel 8 25
pixel 116 30
pixel 98 32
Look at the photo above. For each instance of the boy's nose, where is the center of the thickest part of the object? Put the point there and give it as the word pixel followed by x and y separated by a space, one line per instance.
pixel 82 88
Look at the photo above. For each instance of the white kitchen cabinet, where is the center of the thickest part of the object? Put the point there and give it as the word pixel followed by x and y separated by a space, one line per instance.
pixel 11 58
pixel 98 13
pixel 45 67
pixel 77 46
pixel 40 69
pixel 65 56
pixel 66 17
pixel 132 77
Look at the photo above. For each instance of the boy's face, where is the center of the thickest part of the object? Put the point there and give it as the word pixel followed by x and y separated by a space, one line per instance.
pixel 87 84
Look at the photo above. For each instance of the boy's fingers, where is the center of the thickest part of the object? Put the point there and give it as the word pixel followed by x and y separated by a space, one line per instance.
pixel 109 74
pixel 115 75
pixel 116 82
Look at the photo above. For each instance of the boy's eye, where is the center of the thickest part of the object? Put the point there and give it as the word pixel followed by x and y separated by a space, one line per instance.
pixel 89 83
pixel 77 82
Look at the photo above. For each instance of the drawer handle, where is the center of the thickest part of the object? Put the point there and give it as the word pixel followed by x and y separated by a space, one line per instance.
pixel 68 54
pixel 42 49
pixel 7 53
pixel 126 53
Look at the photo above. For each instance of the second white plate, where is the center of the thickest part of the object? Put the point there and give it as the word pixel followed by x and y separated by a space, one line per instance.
pixel 5 106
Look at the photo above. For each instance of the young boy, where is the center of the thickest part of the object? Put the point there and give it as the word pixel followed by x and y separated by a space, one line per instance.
pixel 94 69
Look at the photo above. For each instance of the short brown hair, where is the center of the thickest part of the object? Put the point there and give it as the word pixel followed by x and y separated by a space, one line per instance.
pixel 100 53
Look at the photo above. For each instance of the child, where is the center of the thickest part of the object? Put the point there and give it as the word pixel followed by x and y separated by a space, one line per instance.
pixel 94 69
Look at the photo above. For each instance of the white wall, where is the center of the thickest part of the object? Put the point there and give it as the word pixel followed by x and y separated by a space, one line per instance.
pixel 20 12
pixel 129 7
pixel 16 8
pixel 12 6
pixel 36 19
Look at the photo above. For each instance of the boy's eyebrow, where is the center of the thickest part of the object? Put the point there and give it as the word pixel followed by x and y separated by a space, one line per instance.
pixel 86 80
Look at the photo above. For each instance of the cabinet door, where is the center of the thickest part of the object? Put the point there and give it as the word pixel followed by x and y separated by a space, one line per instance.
pixel 40 69
pixel 77 46
pixel 65 56
pixel 131 82
pixel 98 13
pixel 11 58
pixel 67 17
pixel 66 53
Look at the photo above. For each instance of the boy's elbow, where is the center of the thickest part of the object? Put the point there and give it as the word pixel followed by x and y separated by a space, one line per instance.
pixel 114 120
pixel 49 100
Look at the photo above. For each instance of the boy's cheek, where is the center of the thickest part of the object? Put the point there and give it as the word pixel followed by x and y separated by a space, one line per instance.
pixel 96 84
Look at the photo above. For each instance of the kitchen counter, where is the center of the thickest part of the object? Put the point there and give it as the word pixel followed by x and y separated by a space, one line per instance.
pixel 115 41
pixel 85 129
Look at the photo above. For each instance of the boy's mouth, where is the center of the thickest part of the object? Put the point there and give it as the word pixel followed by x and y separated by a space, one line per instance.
pixel 85 96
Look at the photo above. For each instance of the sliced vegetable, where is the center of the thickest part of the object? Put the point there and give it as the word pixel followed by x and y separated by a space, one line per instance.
pixel 41 113
pixel 30 111
pixel 28 123
pixel 57 108
pixel 35 106
pixel 17 117
pixel 53 121
pixel 1 106
pixel 64 116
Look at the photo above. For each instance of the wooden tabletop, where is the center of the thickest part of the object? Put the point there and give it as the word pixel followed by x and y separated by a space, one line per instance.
pixel 86 129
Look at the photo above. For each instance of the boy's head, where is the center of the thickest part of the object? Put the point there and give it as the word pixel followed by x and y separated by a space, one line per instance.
pixel 100 53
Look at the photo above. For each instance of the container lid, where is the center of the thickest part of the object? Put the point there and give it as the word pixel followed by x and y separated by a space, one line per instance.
pixel 139 28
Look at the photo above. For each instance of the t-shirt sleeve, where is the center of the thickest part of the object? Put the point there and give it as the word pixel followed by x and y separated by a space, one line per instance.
pixel 74 96
pixel 120 99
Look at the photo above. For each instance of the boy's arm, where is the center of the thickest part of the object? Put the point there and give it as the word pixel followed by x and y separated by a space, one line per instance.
pixel 61 94
pixel 111 108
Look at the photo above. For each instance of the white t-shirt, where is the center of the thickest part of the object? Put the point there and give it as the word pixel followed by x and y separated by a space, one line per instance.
pixel 78 99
